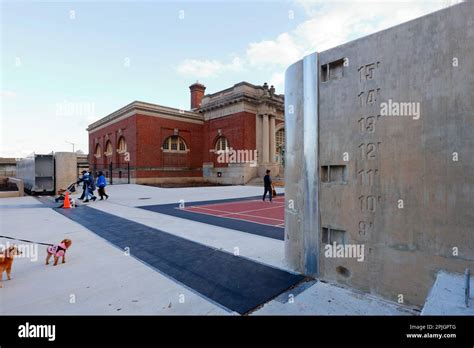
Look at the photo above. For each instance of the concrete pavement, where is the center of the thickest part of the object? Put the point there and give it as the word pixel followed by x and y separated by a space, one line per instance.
pixel 99 278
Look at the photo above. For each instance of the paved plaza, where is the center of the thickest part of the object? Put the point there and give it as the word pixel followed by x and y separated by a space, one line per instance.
pixel 129 260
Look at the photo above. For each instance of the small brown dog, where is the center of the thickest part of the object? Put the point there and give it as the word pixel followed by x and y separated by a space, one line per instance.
pixel 6 262
pixel 58 251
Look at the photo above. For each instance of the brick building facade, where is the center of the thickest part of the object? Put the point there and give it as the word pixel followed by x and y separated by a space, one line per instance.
pixel 227 137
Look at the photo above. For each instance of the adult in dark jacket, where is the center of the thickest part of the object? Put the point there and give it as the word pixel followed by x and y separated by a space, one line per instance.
pixel 88 186
pixel 91 186
pixel 83 185
pixel 101 183
pixel 91 183
pixel 267 185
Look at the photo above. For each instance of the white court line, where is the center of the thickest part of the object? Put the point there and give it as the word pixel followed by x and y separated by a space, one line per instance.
pixel 198 207
pixel 242 212
pixel 261 217
pixel 249 211
pixel 260 223
pixel 243 202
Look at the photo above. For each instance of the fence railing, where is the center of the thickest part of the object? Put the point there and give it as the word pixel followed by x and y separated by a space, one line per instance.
pixel 11 173
pixel 118 173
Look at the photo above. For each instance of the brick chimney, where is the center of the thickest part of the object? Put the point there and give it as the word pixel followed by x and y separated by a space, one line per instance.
pixel 197 92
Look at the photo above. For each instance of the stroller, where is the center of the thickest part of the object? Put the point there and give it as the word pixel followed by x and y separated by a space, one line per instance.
pixel 62 192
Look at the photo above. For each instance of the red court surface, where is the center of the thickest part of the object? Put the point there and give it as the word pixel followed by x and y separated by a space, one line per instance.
pixel 256 211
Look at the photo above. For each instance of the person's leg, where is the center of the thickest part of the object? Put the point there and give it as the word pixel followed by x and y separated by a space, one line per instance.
pixel 83 193
pixel 101 193
pixel 86 195
pixel 270 193
pixel 265 193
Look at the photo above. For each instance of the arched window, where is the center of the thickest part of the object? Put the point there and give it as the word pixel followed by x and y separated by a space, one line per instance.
pixel 108 149
pixel 98 151
pixel 174 143
pixel 280 139
pixel 280 146
pixel 122 145
pixel 222 144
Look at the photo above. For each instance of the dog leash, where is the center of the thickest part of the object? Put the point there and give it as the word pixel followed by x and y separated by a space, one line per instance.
pixel 27 241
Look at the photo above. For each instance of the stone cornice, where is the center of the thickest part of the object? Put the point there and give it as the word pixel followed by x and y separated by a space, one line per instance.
pixel 275 102
pixel 242 96
pixel 137 106
pixel 243 92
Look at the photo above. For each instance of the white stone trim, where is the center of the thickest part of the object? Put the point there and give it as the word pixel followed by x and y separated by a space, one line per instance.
pixel 229 110
pixel 279 126
pixel 146 109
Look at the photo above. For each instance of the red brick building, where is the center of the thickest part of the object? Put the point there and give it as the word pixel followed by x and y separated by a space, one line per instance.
pixel 227 137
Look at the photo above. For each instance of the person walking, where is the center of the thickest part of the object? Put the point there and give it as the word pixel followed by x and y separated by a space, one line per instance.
pixel 86 182
pixel 83 185
pixel 91 187
pixel 267 185
pixel 101 183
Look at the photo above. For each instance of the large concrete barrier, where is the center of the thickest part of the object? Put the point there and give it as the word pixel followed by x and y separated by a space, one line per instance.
pixel 380 157
pixel 65 169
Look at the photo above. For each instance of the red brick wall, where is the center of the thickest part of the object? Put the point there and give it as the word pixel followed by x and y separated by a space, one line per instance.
pixel 151 159
pixel 128 127
pixel 239 129
pixel 145 150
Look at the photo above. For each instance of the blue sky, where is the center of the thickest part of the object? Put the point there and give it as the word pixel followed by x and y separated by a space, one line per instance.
pixel 67 64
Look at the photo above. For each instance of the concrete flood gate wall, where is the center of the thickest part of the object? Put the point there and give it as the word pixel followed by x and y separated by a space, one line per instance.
pixel 400 187
pixel 65 171
pixel 47 174
pixel 37 173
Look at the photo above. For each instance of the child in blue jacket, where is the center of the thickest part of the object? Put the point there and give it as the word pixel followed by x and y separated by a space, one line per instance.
pixel 101 183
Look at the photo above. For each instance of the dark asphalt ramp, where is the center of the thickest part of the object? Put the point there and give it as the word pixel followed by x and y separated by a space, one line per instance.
pixel 234 282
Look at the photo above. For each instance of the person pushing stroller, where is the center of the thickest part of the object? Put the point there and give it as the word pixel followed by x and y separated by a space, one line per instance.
pixel 88 185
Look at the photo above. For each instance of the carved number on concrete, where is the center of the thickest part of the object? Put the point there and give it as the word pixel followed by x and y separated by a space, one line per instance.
pixel 368 150
pixel 365 227
pixel 367 124
pixel 366 72
pixel 366 177
pixel 369 203
pixel 369 97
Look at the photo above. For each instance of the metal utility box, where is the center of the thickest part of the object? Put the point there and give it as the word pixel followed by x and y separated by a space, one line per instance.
pixel 37 173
